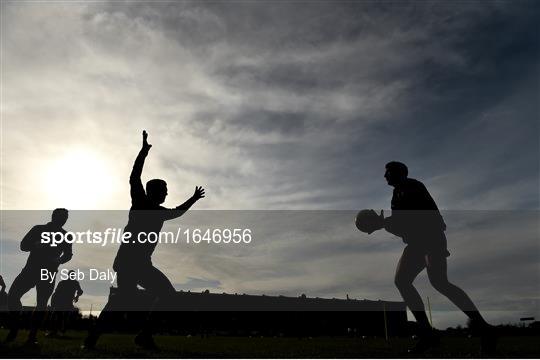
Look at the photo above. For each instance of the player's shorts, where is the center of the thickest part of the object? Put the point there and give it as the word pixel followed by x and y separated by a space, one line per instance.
pixel 432 244
pixel 62 306
pixel 423 251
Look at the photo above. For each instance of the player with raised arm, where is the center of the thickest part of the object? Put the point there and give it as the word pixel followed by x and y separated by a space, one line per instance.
pixel 133 262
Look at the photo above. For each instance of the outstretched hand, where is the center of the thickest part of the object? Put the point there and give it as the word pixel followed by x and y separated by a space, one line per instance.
pixel 199 193
pixel 145 143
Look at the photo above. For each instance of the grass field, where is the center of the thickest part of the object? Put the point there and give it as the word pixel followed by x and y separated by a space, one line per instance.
pixel 121 345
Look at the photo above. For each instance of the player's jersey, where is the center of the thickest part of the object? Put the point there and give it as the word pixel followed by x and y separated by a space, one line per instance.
pixel 143 219
pixel 415 216
pixel 44 255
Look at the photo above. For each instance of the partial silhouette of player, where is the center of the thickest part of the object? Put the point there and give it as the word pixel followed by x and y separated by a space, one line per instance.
pixel 67 292
pixel 417 220
pixel 42 256
pixel 3 294
pixel 133 262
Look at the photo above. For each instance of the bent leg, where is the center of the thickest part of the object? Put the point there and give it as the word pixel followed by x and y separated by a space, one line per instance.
pixel 438 276
pixel 20 286
pixel 157 284
pixel 161 288
pixel 25 281
pixel 121 300
pixel 409 266
pixel 44 290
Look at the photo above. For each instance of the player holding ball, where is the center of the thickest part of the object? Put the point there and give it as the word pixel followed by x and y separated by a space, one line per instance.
pixel 417 220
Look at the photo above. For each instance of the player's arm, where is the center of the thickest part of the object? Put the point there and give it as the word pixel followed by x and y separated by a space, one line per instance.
pixel 31 240
pixel 135 183
pixel 393 223
pixel 182 208
pixel 67 253
pixel 393 226
pixel 78 293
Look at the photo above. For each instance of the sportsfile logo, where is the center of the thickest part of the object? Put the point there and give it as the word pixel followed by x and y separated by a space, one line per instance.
pixel 118 236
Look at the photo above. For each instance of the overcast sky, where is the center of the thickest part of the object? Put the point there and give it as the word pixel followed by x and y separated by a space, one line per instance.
pixel 274 105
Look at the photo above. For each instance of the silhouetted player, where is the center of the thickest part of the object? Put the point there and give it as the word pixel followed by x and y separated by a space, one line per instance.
pixel 42 256
pixel 67 292
pixel 3 294
pixel 133 262
pixel 417 220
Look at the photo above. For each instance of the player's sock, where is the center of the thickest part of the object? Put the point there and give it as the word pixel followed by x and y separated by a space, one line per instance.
pixel 32 338
pixel 427 340
pixel 477 319
pixel 422 321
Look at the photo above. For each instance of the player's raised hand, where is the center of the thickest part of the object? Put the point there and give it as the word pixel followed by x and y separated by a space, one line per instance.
pixel 145 143
pixel 199 193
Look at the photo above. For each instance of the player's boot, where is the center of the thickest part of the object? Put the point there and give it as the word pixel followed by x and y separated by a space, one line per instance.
pixel 488 341
pixel 428 341
pixel 146 341
pixel 32 340
pixel 488 337
pixel 90 341
pixel 52 334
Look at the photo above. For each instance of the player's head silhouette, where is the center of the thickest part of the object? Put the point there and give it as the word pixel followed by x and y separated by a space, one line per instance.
pixel 396 172
pixel 59 217
pixel 156 190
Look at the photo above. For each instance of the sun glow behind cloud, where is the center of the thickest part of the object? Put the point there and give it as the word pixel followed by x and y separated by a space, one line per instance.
pixel 79 179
